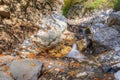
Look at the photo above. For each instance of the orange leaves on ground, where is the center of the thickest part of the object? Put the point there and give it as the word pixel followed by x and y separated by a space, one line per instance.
pixel 1 55
pixel 58 55
pixel 19 53
pixel 8 73
pixel 31 56
pixel 60 51
pixel 6 68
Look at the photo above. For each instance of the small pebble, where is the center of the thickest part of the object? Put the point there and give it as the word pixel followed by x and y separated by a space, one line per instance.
pixel 81 74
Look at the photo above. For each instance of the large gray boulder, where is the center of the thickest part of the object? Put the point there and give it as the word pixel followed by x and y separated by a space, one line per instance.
pixel 52 31
pixel 110 39
pixel 105 35
pixel 26 69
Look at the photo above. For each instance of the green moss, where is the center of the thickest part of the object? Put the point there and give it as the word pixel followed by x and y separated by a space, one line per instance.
pixel 96 3
pixel 68 4
pixel 91 5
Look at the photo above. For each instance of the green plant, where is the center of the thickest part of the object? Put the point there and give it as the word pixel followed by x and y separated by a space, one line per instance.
pixel 68 4
pixel 117 5
pixel 90 5
pixel 96 4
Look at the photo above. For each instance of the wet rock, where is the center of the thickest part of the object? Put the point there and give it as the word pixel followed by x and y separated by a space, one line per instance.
pixel 117 75
pixel 114 19
pixel 4 76
pixel 26 69
pixel 76 54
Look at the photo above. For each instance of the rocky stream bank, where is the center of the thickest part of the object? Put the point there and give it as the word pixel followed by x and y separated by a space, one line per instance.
pixel 38 43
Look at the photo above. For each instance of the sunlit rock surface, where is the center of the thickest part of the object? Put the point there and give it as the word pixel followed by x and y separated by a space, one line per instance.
pixel 4 76
pixel 6 59
pixel 26 69
pixel 53 30
pixel 101 16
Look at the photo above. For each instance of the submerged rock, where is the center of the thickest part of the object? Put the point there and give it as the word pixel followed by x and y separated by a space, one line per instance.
pixel 26 69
